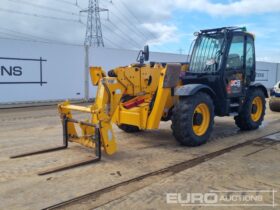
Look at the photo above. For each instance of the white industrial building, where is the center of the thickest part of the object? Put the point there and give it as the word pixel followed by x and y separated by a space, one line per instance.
pixel 33 72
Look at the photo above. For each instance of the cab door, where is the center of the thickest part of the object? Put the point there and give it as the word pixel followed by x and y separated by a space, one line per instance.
pixel 250 60
pixel 234 74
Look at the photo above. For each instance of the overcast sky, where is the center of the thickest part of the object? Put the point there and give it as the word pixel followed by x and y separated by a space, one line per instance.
pixel 167 25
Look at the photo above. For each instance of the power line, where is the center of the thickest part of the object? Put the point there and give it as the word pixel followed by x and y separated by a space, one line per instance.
pixel 151 35
pixel 113 43
pixel 14 35
pixel 37 15
pixel 52 41
pixel 131 41
pixel 18 39
pixel 135 17
pixel 32 40
pixel 76 4
pixel 63 19
pixel 67 2
pixel 30 37
pixel 120 36
pixel 130 25
pixel 26 35
pixel 118 28
pixel 140 34
pixel 45 7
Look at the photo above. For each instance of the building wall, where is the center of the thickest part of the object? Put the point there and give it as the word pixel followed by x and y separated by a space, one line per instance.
pixel 33 71
pixel 39 72
pixel 267 73
pixel 62 71
pixel 278 72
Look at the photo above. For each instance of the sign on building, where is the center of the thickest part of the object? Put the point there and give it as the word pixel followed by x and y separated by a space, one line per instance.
pixel 262 75
pixel 22 71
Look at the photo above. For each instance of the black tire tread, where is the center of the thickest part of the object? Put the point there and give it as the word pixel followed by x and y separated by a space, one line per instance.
pixel 243 120
pixel 182 120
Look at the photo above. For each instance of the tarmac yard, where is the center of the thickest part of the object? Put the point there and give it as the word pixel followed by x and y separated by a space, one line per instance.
pixel 149 171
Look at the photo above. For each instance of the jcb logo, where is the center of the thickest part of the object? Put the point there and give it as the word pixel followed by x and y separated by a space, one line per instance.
pixel 235 83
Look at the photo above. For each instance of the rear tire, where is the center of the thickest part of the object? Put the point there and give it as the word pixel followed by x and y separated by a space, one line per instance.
pixel 193 119
pixel 274 104
pixel 252 112
pixel 129 128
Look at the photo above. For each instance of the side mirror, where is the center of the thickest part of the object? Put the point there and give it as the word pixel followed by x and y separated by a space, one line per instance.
pixel 143 55
pixel 146 53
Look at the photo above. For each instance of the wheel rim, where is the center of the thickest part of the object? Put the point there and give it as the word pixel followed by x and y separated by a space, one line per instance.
pixel 257 109
pixel 201 128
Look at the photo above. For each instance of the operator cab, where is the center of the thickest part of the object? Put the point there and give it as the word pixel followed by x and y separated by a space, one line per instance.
pixel 224 60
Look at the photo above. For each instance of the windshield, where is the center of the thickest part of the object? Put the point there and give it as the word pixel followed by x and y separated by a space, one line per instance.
pixel 207 49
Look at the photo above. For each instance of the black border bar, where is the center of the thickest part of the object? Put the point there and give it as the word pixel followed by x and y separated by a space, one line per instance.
pixel 41 60
pixel 22 59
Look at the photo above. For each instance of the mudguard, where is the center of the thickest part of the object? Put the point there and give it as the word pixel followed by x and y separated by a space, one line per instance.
pixel 191 89
pixel 261 86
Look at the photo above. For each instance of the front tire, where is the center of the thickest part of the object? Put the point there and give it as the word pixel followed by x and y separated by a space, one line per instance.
pixel 252 112
pixel 193 119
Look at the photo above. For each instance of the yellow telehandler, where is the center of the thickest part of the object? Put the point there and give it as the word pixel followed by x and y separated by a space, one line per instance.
pixel 218 81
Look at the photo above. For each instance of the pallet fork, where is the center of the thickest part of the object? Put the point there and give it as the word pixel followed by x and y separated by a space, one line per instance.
pixel 65 122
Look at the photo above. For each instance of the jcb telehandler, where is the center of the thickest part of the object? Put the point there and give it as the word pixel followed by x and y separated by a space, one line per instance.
pixel 218 81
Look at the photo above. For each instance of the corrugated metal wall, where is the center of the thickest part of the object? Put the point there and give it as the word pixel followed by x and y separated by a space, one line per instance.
pixel 39 72
pixel 33 72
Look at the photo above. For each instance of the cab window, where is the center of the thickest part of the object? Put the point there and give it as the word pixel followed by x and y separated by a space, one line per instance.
pixel 235 56
pixel 249 56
